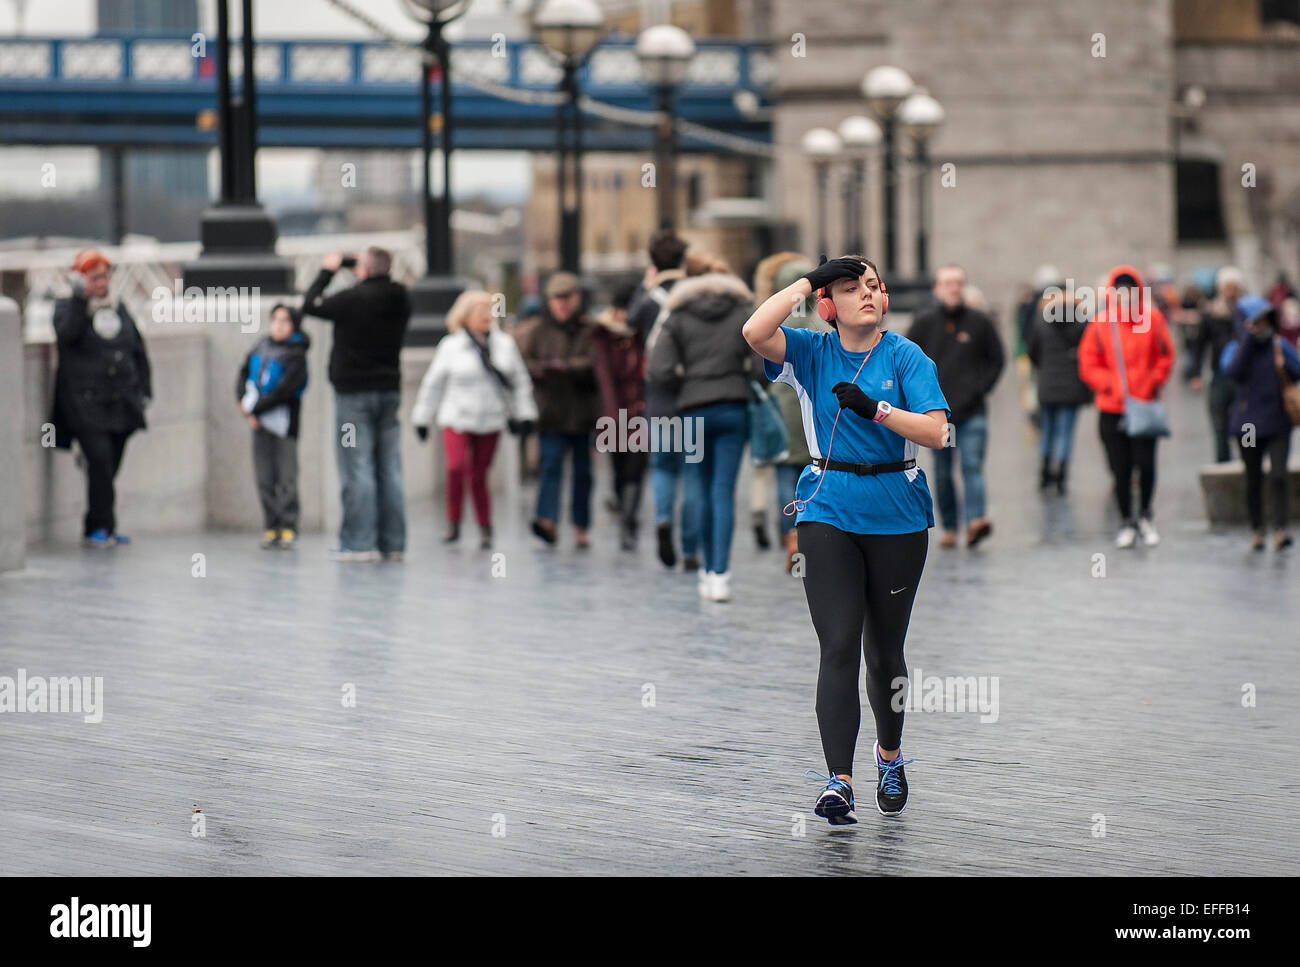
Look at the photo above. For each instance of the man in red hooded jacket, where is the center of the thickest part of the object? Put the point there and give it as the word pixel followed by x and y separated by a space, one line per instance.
pixel 1128 315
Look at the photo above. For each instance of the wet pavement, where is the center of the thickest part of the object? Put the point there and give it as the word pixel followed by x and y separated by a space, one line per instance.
pixel 535 710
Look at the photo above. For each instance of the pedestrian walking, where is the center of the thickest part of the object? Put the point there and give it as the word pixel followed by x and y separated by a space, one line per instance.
pixel 966 349
pixel 1218 327
pixel 620 376
pixel 702 353
pixel 1125 357
pixel 476 386
pixel 1262 365
pixel 864 508
pixel 1053 346
pixel 647 313
pixel 775 274
pixel 560 358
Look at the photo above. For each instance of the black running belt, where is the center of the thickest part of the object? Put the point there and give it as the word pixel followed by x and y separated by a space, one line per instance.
pixel 864 469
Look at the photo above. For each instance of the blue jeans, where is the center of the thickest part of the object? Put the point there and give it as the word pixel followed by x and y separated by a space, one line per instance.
pixel 972 438
pixel 712 480
pixel 1057 425
pixel 552 448
pixel 368 444
pixel 787 477
pixel 666 468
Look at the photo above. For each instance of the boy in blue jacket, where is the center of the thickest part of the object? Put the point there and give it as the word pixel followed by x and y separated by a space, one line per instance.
pixel 269 391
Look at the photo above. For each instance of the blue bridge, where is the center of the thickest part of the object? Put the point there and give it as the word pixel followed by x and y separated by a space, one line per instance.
pixel 143 91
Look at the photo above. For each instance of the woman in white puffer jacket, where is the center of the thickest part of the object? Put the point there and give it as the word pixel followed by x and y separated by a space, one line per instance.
pixel 476 386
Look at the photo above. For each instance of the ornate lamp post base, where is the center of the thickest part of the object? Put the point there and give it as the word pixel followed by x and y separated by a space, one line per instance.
pixel 239 250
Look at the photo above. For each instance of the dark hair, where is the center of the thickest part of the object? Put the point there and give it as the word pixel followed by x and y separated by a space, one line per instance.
pixel 294 315
pixel 666 249
pixel 861 258
pixel 621 295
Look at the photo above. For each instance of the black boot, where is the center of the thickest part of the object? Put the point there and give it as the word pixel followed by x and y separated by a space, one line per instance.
pixel 666 552
pixel 760 531
pixel 485 538
pixel 1060 476
pixel 453 532
pixel 1045 477
pixel 629 497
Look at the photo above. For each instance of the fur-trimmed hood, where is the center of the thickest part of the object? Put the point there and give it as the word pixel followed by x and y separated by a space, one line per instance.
pixel 766 272
pixel 711 295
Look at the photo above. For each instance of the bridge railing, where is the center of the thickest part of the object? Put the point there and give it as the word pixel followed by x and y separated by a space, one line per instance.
pixel 349 65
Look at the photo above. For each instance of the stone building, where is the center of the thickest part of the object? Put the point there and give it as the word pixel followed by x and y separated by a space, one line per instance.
pixel 1080 135
pixel 1162 132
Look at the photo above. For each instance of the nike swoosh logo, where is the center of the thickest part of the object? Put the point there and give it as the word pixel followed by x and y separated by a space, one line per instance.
pixel 899 590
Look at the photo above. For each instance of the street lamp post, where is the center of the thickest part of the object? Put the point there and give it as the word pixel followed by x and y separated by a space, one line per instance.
pixel 237 234
pixel 822 146
pixel 434 292
pixel 920 116
pixel 569 30
pixel 885 89
pixel 859 134
pixel 665 53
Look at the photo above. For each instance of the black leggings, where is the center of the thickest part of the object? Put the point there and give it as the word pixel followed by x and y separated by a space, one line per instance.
pixel 850 581
pixel 1124 453
pixel 1277 447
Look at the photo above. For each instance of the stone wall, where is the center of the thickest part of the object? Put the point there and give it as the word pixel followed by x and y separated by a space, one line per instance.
pixel 192 468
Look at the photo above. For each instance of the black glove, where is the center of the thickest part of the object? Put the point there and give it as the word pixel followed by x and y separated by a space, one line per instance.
pixel 852 398
pixel 521 427
pixel 423 433
pixel 828 272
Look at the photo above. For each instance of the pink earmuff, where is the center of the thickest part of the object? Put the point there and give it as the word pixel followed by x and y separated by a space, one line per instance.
pixel 826 305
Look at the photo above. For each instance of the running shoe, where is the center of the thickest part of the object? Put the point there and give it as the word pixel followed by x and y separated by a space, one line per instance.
pixel 705 584
pixel 1148 531
pixel 99 538
pixel 1127 536
pixel 270 540
pixel 891 789
pixel 835 804
pixel 120 538
pixel 1281 540
pixel 721 586
pixel 288 538
pixel 354 557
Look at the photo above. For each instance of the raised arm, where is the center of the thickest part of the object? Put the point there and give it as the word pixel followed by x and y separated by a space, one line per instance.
pixel 762 330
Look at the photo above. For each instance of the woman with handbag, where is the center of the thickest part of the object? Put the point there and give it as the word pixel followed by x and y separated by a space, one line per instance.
pixel 1263 368
pixel 701 352
pixel 1125 356
pixel 476 386
pixel 870 399
pixel 774 273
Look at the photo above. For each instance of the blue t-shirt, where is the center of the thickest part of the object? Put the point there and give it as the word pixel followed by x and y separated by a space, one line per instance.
pixel 897 372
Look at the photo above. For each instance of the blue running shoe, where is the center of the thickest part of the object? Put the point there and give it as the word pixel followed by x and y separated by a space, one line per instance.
pixel 120 538
pixel 99 538
pixel 835 804
pixel 891 789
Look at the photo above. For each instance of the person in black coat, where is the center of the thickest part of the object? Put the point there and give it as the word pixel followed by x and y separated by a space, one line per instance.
pixel 1052 343
pixel 101 388
pixel 370 320
pixel 965 347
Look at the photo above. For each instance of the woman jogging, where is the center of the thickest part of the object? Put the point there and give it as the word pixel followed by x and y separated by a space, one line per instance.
pixel 869 398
